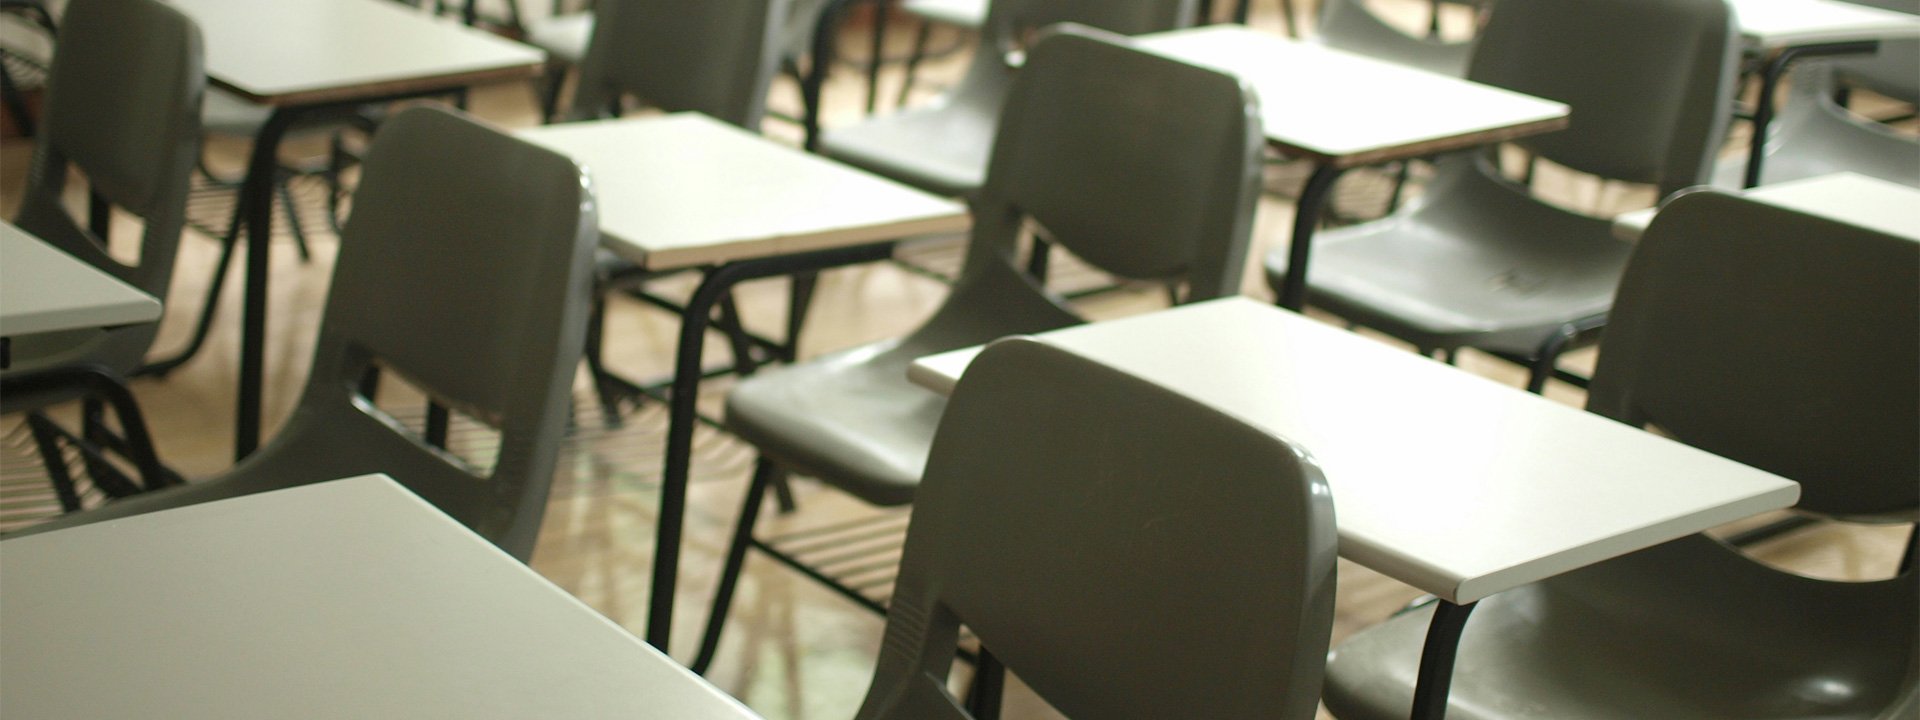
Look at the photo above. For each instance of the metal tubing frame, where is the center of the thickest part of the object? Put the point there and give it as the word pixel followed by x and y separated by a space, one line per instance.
pixel 1436 660
pixel 683 413
pixel 1770 75
pixel 1306 219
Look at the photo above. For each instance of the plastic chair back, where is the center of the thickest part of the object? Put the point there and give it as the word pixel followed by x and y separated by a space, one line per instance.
pixel 1144 166
pixel 123 107
pixel 1778 339
pixel 1349 25
pixel 714 57
pixel 465 269
pixel 1650 81
pixel 1127 551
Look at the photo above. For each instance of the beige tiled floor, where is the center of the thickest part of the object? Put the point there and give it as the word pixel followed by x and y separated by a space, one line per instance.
pixel 793 650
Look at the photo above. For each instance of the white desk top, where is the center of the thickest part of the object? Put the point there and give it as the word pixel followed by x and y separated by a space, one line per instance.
pixel 1771 24
pixel 1848 197
pixel 1350 109
pixel 43 289
pixel 349 599
pixel 1449 482
pixel 291 52
pixel 684 190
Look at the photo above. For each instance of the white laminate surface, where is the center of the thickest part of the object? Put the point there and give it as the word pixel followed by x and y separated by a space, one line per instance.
pixel 1769 24
pixel 274 50
pixel 1848 197
pixel 43 290
pixel 1447 481
pixel 348 599
pixel 1334 104
pixel 684 190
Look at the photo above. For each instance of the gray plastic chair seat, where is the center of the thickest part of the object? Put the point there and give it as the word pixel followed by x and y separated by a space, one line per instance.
pixel 903 146
pixel 854 419
pixel 944 148
pixel 564 37
pixel 1623 640
pixel 1816 136
pixel 1473 263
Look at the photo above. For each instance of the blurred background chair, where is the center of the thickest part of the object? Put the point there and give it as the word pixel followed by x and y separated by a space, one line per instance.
pixel 123 105
pixel 466 271
pixel 1777 339
pixel 1477 261
pixel 1068 160
pixel 1064 518
pixel 1815 133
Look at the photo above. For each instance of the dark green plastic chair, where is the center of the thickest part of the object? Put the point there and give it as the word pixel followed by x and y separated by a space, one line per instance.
pixel 466 269
pixel 1777 339
pixel 1126 550
pixel 123 106
pixel 1146 167
pixel 1477 261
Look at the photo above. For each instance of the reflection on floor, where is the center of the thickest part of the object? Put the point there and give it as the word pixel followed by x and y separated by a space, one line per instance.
pixel 793 649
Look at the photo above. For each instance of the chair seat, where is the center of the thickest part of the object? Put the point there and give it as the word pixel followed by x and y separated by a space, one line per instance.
pixel 564 37
pixel 1476 264
pixel 940 149
pixel 1662 634
pixel 963 13
pixel 851 419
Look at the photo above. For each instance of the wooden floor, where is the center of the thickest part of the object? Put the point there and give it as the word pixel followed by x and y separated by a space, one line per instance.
pixel 794 650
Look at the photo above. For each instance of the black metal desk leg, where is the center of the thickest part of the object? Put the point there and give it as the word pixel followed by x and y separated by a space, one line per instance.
pixel 1436 660
pixel 256 195
pixel 1306 218
pixel 682 410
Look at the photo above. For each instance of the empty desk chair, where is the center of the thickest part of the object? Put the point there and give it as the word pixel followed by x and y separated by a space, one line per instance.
pixel 943 148
pixel 465 269
pixel 1478 262
pixel 123 108
pixel 1128 551
pixel 1777 339
pixel 1145 166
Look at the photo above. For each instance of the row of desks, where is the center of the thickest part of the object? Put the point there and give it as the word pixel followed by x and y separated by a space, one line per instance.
pixel 686 192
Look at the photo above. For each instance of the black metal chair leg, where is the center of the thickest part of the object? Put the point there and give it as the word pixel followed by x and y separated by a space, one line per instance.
pixel 552 82
pixel 159 368
pixel 920 38
pixel 783 493
pixel 1039 260
pixel 763 473
pixel 603 387
pixel 988 684
pixel 799 300
pixel 16 103
pixel 295 227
